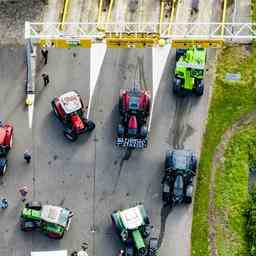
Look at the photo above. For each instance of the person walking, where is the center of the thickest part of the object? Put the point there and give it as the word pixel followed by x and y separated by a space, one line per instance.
pixel 44 53
pixel 27 156
pixel 45 79
pixel 23 192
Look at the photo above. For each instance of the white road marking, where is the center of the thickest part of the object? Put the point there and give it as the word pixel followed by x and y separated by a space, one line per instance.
pixel 98 52
pixel 31 110
pixel 159 58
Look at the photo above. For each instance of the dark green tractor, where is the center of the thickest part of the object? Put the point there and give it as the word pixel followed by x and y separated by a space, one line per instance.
pixel 133 227
pixel 51 220
pixel 189 71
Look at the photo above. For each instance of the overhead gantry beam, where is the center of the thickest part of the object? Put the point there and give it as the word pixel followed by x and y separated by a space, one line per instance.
pixel 227 31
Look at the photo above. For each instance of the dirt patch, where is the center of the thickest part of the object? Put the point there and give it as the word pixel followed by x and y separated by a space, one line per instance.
pixel 217 159
pixel 13 15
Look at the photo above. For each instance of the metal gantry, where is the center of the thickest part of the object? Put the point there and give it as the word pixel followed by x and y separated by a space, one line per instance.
pixel 231 31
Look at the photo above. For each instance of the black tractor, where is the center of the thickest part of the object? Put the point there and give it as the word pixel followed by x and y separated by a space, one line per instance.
pixel 177 184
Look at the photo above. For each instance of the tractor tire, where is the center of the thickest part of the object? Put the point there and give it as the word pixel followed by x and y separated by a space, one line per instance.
pixel 189 194
pixel 153 247
pixel 27 225
pixel 199 88
pixel 193 163
pixel 120 130
pixel 177 86
pixel 143 131
pixel 34 205
pixel 90 126
pixel 54 109
pixel 188 199
pixel 3 166
pixel 168 160
pixel 70 135
pixel 142 252
pixel 120 105
pixel 129 251
pixel 179 53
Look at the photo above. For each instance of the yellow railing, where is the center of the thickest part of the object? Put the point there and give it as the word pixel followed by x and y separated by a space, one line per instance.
pixel 64 14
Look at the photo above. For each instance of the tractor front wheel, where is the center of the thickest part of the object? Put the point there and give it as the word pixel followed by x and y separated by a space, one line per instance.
pixel 90 126
pixel 153 247
pixel 70 135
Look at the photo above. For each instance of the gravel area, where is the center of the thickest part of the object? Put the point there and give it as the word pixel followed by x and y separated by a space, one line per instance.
pixel 13 15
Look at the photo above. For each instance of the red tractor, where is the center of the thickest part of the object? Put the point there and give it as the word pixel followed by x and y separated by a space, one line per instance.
pixel 6 139
pixel 69 109
pixel 134 108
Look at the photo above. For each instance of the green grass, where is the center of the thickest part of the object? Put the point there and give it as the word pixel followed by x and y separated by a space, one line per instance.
pixel 232 193
pixel 230 101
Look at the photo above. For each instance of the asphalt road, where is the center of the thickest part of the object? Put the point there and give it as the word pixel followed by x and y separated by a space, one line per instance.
pixel 92 176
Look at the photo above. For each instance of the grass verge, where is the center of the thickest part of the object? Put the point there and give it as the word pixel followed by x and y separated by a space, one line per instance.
pixel 232 193
pixel 231 100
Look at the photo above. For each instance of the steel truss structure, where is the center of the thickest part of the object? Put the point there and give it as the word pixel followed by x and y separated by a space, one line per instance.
pixel 169 31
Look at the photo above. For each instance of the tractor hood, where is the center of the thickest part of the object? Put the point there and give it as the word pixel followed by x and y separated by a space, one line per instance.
pixel 178 188
pixel 77 122
pixel 138 239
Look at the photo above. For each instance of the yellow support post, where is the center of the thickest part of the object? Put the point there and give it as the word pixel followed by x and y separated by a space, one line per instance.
pixel 110 10
pixel 64 14
pixel 171 17
pixel 161 17
pixel 223 17
pixel 99 13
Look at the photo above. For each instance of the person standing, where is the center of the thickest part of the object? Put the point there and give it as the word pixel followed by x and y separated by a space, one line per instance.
pixel 23 192
pixel 44 53
pixel 27 156
pixel 45 79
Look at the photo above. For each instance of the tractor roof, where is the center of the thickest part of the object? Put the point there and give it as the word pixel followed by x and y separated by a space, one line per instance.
pixel 55 215
pixel 181 159
pixel 70 102
pixel 193 58
pixel 132 218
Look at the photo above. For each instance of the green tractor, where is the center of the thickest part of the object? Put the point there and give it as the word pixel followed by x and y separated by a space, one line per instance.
pixel 133 227
pixel 51 220
pixel 189 71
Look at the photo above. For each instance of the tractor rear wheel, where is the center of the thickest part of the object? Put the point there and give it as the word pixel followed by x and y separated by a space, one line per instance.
pixel 34 205
pixel 27 225
pixel 3 166
pixel 55 109
pixel 199 88
pixel 177 86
